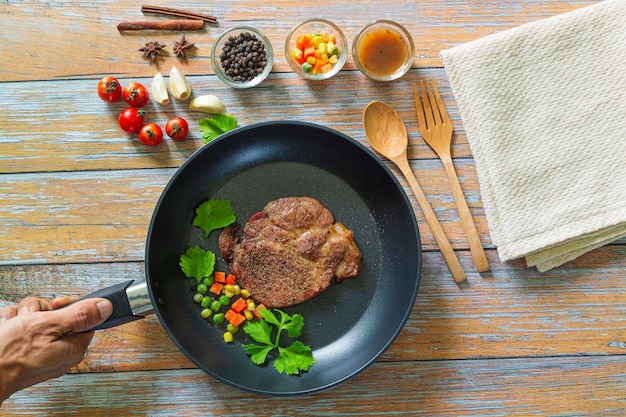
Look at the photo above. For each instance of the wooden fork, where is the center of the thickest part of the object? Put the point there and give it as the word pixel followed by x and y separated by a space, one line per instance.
pixel 436 129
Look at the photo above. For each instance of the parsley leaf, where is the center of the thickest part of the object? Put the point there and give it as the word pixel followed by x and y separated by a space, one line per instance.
pixel 292 359
pixel 258 353
pixel 197 263
pixel 293 324
pixel 259 331
pixel 214 214
pixel 212 127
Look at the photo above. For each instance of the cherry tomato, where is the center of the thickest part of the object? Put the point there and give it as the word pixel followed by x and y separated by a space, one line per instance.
pixel 131 119
pixel 135 94
pixel 151 134
pixel 109 89
pixel 177 129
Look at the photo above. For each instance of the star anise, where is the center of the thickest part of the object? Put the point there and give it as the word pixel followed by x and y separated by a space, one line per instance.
pixel 180 47
pixel 152 49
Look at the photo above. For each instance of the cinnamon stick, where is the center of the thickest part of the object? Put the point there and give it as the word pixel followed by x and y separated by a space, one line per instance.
pixel 178 13
pixel 161 25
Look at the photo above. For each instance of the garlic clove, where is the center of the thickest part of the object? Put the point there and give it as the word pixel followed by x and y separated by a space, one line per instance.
pixel 181 90
pixel 207 104
pixel 159 90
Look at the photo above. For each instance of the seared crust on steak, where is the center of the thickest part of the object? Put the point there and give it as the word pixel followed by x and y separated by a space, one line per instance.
pixel 290 252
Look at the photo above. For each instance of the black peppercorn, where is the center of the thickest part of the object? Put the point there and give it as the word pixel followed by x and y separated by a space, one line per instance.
pixel 243 57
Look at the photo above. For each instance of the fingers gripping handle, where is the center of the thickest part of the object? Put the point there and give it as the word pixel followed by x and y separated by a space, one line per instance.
pixel 130 301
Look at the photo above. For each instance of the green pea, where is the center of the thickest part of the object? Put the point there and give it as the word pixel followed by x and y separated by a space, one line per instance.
pixel 197 297
pixel 216 305
pixel 202 289
pixel 206 302
pixel 218 318
pixel 306 67
pixel 232 328
pixel 206 313
pixel 224 300
pixel 208 281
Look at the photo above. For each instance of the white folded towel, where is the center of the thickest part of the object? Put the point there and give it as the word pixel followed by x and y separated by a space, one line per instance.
pixel 544 108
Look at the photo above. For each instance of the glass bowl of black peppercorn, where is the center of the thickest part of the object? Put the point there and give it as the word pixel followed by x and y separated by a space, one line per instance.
pixel 242 57
pixel 316 49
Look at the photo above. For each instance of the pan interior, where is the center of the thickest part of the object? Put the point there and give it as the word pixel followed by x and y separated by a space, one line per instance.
pixel 349 325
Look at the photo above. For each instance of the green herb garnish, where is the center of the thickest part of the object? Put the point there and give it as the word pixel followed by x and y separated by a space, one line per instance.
pixel 214 214
pixel 212 127
pixel 197 263
pixel 292 359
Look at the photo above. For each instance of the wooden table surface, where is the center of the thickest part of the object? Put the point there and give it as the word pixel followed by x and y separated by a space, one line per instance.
pixel 77 195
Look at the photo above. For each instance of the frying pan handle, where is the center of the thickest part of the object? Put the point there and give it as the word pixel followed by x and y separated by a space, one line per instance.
pixel 130 300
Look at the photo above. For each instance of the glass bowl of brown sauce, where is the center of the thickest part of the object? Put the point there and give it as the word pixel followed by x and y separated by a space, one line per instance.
pixel 383 50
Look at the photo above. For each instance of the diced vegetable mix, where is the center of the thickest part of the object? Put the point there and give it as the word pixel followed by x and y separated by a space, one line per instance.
pixel 316 53
pixel 222 300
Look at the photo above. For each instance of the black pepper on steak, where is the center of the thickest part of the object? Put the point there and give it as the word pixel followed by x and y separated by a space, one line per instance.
pixel 290 252
pixel 243 57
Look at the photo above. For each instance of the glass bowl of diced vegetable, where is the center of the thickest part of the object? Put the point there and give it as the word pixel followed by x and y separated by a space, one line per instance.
pixel 316 49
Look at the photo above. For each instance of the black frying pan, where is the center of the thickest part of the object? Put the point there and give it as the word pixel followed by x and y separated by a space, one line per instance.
pixel 349 325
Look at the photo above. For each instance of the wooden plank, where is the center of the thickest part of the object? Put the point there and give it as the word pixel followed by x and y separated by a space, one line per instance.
pixel 42 51
pixel 512 311
pixel 102 216
pixel 569 386
pixel 82 217
pixel 508 312
pixel 37 134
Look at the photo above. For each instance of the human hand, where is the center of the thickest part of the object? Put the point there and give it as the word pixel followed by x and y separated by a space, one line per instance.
pixel 39 340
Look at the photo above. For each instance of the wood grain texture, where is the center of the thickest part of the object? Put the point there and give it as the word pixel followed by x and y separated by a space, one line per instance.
pixel 99 216
pixel 518 387
pixel 89 38
pixel 34 133
pixel 508 312
pixel 77 195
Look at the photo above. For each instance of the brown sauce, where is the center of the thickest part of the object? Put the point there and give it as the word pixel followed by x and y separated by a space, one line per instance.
pixel 382 51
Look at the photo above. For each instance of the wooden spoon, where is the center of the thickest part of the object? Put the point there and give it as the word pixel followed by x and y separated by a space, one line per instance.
pixel 386 132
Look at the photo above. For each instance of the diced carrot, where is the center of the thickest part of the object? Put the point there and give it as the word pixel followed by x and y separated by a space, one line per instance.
pixel 230 279
pixel 327 67
pixel 304 39
pixel 216 288
pixel 220 276
pixel 234 318
pixel 309 51
pixel 317 68
pixel 239 305
pixel 257 311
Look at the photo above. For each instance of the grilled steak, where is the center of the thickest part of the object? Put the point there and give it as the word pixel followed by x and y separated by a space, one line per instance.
pixel 290 252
